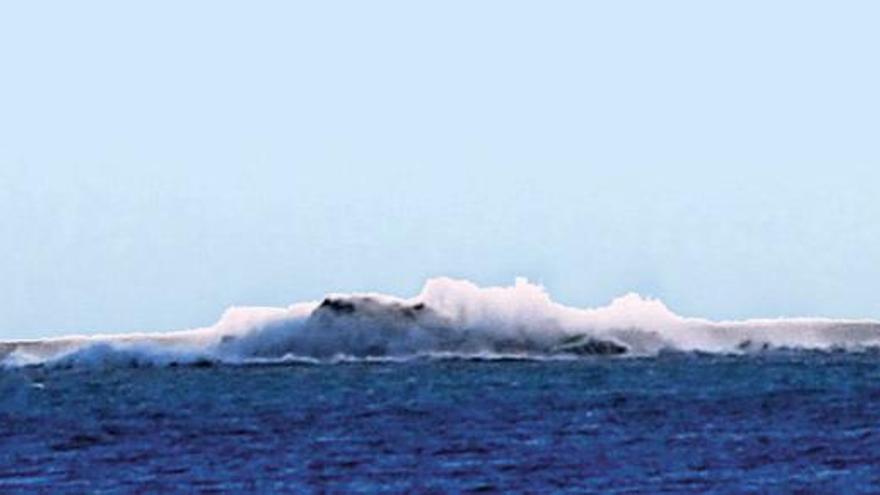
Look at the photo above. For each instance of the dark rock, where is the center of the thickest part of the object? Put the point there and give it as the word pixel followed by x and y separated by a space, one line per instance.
pixel 337 305
pixel 588 346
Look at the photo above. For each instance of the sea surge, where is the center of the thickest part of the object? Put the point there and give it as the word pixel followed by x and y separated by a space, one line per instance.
pixel 449 319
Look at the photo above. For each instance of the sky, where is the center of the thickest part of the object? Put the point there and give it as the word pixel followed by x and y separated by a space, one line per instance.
pixel 161 161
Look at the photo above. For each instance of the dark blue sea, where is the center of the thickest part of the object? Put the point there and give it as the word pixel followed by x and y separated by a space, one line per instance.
pixel 778 423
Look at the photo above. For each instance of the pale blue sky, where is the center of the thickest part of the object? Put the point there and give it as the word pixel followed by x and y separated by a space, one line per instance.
pixel 161 161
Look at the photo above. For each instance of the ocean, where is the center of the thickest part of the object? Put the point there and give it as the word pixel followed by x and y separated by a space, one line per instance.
pixel 768 422
pixel 459 389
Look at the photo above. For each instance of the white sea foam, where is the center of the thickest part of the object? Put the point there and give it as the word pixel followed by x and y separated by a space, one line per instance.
pixel 449 318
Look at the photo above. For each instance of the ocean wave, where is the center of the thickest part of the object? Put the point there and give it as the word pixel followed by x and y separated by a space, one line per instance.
pixel 449 319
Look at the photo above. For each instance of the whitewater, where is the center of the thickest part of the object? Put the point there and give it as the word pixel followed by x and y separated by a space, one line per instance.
pixel 449 318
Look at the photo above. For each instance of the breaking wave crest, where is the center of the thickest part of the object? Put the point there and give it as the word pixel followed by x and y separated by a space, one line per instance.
pixel 449 319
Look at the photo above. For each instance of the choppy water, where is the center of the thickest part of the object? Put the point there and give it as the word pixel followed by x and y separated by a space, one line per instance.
pixel 672 424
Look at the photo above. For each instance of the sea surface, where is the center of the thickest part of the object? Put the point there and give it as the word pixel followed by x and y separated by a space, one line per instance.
pixel 780 422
